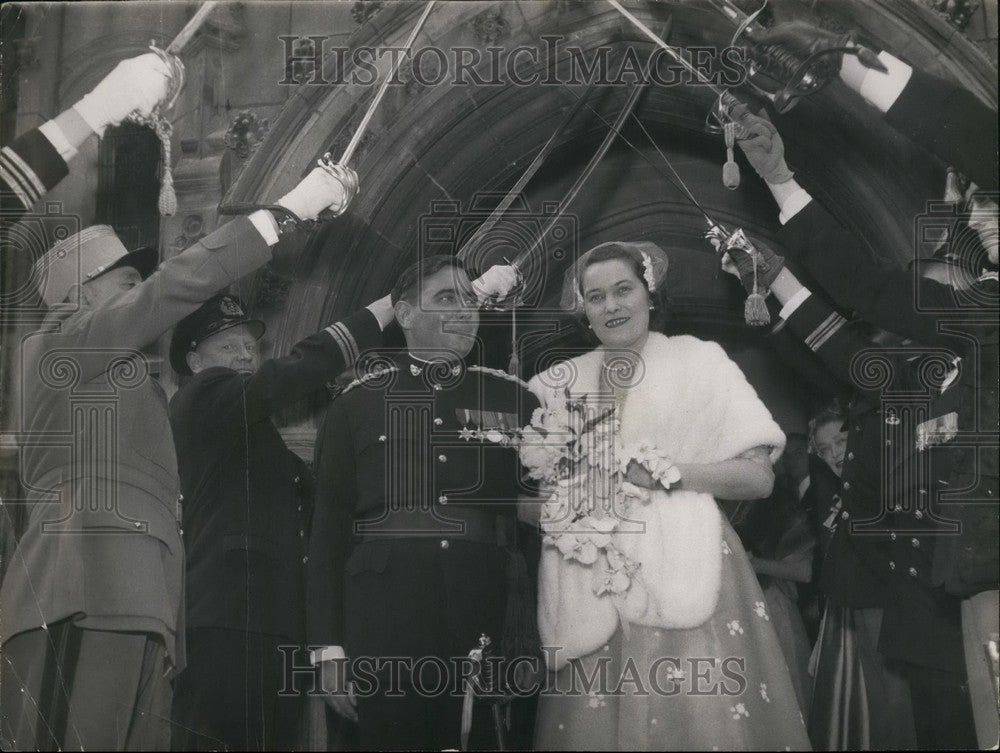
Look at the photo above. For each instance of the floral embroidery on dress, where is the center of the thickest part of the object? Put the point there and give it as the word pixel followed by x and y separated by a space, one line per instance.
pixel 725 548
pixel 763 692
pixel 596 700
pixel 760 610
pixel 739 711
pixel 734 627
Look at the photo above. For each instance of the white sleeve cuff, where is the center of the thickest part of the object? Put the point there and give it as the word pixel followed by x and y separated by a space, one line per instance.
pixel 794 204
pixel 266 225
pixel 326 653
pixel 51 130
pixel 883 89
pixel 793 303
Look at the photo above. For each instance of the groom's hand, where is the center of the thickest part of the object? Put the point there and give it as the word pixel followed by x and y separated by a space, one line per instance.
pixel 339 693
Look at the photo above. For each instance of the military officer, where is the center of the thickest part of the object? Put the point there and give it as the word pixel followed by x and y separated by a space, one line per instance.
pixel 245 519
pixel 37 160
pixel 416 485
pixel 955 126
pixel 878 568
pixel 92 609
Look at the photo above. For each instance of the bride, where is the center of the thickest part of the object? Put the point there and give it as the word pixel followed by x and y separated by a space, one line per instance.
pixel 659 638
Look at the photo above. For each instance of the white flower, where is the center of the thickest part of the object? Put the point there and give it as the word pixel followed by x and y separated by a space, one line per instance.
pixel 763 692
pixel 725 548
pixel 734 627
pixel 739 711
pixel 647 272
pixel 760 610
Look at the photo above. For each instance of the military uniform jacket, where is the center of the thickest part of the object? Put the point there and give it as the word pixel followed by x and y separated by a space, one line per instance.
pixel 951 123
pixel 244 514
pixel 29 168
pixel 102 542
pixel 891 487
pixel 403 459
pixel 935 315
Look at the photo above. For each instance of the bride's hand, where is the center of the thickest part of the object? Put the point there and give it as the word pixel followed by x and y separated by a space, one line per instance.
pixel 640 476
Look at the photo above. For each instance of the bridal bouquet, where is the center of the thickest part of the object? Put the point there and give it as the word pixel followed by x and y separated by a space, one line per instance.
pixel 572 447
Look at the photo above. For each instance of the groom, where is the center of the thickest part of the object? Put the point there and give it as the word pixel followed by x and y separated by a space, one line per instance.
pixel 414 523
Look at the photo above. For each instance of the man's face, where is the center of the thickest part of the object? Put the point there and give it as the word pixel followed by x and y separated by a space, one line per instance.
pixel 983 219
pixel 234 348
pixel 830 443
pixel 444 318
pixel 108 285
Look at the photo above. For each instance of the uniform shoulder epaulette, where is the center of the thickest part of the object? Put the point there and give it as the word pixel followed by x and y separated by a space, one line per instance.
pixel 369 377
pixel 501 374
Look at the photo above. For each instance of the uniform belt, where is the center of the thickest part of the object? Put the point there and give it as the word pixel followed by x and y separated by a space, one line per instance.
pixel 481 526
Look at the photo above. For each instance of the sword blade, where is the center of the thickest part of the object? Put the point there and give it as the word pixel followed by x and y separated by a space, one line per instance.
pixel 191 28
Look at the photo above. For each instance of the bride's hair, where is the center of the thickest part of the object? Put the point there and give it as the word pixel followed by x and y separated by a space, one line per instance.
pixel 630 254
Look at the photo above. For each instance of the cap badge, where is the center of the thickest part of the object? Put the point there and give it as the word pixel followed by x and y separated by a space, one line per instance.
pixel 230 307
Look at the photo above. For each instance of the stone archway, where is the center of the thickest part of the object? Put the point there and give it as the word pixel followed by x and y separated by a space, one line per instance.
pixel 430 145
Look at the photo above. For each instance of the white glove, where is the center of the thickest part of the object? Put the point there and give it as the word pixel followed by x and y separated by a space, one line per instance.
pixel 496 283
pixel 325 187
pixel 138 83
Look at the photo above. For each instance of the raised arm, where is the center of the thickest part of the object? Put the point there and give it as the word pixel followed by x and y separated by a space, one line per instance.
pixel 36 161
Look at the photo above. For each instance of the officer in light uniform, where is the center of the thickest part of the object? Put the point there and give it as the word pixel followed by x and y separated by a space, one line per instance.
pixel 92 626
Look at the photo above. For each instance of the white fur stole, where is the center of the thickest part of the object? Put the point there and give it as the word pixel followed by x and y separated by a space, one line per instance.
pixel 696 406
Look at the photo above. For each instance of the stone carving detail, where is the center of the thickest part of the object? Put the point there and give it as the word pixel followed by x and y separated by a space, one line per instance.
pixel 302 63
pixel 192 231
pixel 958 13
pixel 272 289
pixel 246 133
pixel 490 26
pixel 363 10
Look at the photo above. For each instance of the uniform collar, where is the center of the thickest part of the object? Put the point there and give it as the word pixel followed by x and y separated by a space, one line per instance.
pixel 438 368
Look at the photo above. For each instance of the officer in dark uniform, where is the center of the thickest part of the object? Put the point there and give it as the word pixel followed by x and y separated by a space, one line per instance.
pixel 898 461
pixel 245 518
pixel 414 522
pixel 38 159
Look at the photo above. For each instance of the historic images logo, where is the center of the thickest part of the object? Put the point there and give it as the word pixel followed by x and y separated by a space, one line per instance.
pixel 553 63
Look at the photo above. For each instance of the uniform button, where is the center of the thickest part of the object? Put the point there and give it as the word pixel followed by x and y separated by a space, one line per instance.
pixel 913 572
pixel 442 458
pixel 137 524
pixel 892 565
pixel 444 543
pixel 888 442
pixel 437 386
pixel 438 421
pixel 857 427
pixel 302 534
pixel 847 486
pixel 845 515
pixel 923 491
pixel 296 480
pixel 850 456
pixel 892 536
pixel 305 559
pixel 443 499
pixel 915 542
pixel 180 497
pixel 299 508
pixel 381 438
pixel 919 514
